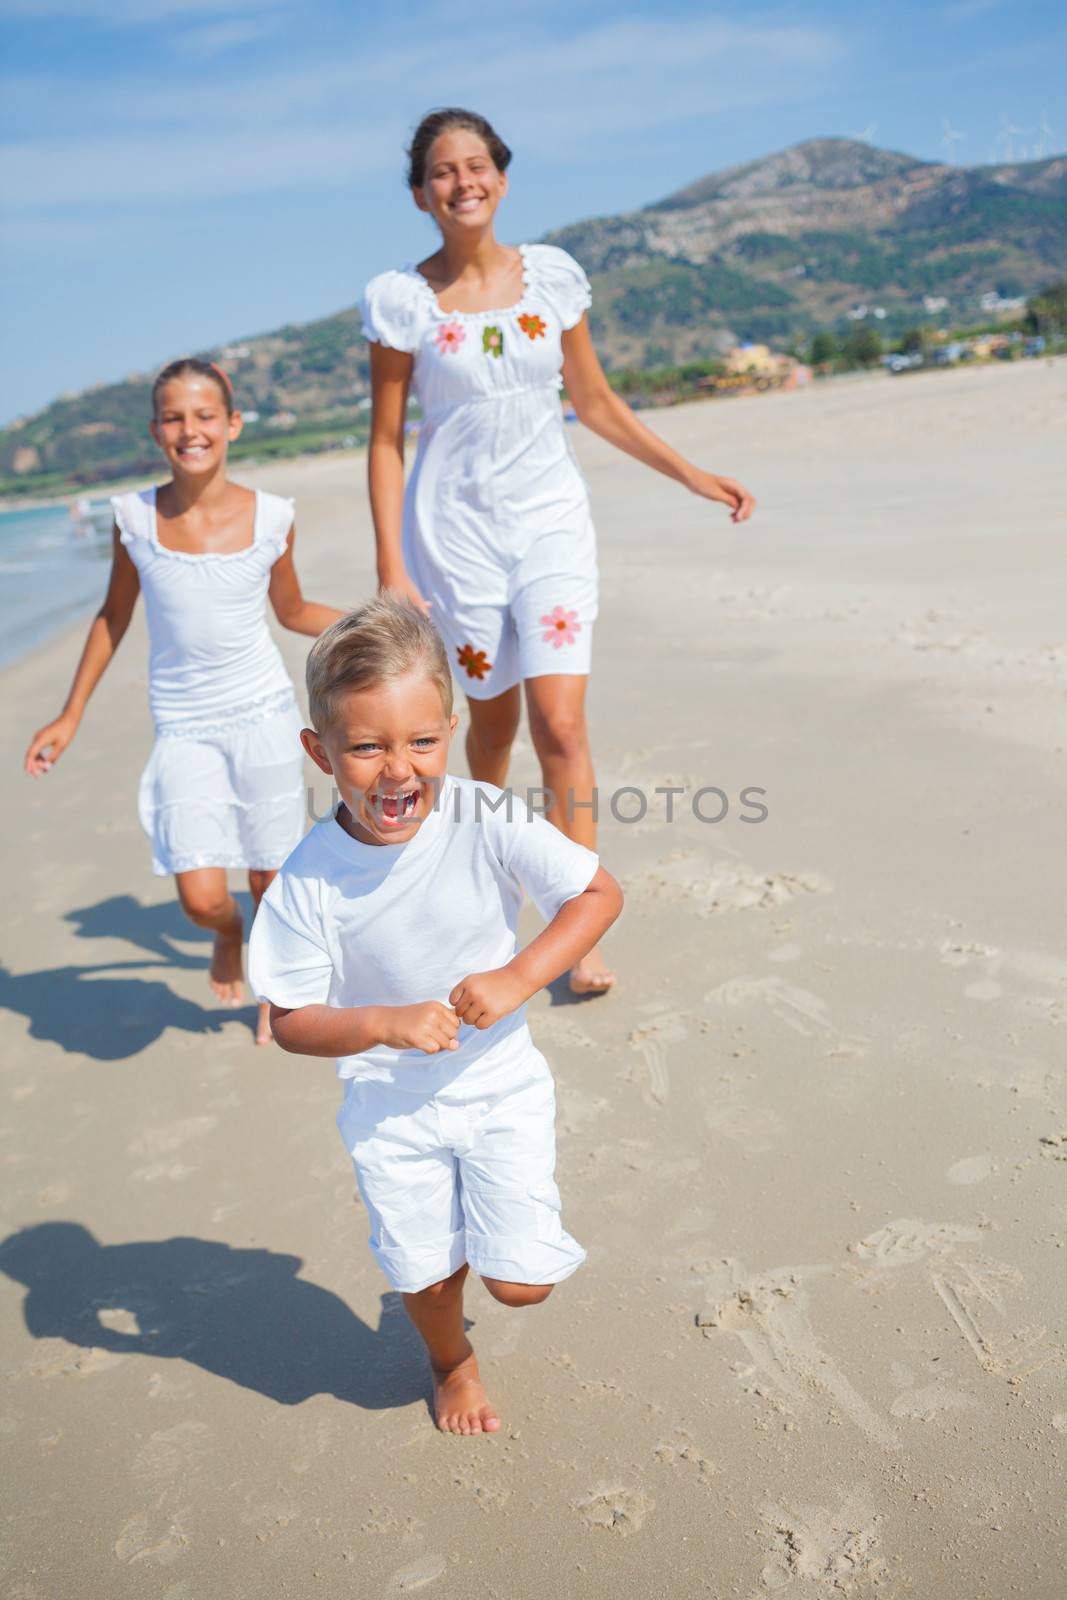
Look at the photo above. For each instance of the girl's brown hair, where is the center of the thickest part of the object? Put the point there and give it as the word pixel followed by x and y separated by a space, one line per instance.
pixel 437 122
pixel 192 366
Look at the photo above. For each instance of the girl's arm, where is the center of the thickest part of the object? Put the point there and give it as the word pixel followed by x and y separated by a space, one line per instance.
pixel 105 636
pixel 287 598
pixel 390 379
pixel 602 411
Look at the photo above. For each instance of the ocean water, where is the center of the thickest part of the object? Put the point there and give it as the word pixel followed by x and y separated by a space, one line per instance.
pixel 54 564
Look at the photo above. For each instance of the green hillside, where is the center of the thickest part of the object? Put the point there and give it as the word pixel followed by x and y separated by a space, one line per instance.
pixel 772 250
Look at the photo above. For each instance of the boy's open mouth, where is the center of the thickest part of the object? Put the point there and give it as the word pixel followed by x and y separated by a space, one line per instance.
pixel 397 808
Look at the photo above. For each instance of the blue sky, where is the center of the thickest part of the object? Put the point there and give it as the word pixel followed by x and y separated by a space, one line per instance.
pixel 181 172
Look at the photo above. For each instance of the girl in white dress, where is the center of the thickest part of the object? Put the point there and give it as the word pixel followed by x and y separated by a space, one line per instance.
pixel 493 536
pixel 224 784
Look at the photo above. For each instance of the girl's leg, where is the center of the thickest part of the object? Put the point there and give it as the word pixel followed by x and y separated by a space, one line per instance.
pixel 258 882
pixel 460 1403
pixel 493 726
pixel 555 705
pixel 206 900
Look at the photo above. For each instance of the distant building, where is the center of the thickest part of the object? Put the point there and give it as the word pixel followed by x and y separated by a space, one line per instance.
pixel 281 419
pixel 986 345
pixel 757 358
pixel 933 303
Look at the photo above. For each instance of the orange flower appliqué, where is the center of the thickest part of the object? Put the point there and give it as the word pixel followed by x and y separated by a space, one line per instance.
pixel 474 661
pixel 532 326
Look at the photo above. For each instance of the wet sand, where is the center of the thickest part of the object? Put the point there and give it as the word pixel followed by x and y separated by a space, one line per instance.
pixel 816 1144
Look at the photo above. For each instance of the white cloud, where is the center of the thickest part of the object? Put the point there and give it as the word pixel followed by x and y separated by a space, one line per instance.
pixel 216 38
pixel 551 92
pixel 130 171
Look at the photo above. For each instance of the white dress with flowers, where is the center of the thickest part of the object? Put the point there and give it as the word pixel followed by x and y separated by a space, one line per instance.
pixel 497 530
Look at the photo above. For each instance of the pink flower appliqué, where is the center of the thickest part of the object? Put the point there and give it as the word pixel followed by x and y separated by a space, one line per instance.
pixel 561 627
pixel 450 335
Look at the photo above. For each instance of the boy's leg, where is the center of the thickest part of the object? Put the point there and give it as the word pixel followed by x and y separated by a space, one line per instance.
pixel 460 1403
pixel 515 1240
pixel 518 1294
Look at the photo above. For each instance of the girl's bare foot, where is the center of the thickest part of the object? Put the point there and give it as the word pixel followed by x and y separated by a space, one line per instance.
pixel 591 975
pixel 459 1401
pixel 263 1033
pixel 226 975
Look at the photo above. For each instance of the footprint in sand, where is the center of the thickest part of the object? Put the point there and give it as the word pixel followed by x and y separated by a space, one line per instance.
pixel 680 1447
pixel 756 1128
pixel 725 886
pixel 416 1575
pixel 172 1450
pixel 836 1551
pixel 969 1290
pixel 972 1169
pixel 651 1041
pixel 614 1509
pixel 155 1542
pixel 805 1013
pixel 769 1314
pixel 900 1243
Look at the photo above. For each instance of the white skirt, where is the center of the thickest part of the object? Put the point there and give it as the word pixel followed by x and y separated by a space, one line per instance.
pixel 226 794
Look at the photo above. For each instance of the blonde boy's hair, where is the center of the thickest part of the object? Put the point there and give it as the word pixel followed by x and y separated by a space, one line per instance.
pixel 384 639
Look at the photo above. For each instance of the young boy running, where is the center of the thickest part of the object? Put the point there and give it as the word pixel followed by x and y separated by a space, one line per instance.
pixel 388 940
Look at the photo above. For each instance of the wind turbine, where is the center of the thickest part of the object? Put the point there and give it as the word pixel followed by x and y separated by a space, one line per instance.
pixel 1041 148
pixel 1008 130
pixel 950 139
pixel 867 134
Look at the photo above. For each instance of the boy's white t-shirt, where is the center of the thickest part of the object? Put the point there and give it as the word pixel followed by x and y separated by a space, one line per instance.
pixel 352 924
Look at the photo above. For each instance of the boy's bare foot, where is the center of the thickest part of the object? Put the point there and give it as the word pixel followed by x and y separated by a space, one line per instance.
pixel 226 975
pixel 263 1033
pixel 459 1401
pixel 591 975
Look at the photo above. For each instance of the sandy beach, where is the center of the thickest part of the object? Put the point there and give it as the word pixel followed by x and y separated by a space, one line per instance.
pixel 815 1144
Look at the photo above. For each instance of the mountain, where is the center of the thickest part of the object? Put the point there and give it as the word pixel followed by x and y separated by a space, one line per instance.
pixel 768 250
pixel 777 247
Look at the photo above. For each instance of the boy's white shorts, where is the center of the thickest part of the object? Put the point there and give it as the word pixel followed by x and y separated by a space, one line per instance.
pixel 461 1175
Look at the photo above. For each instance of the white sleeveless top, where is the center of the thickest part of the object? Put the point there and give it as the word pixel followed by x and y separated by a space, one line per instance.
pixel 211 657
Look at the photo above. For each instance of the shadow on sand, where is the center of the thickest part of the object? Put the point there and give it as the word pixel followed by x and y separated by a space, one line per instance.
pixel 241 1314
pixel 103 1010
